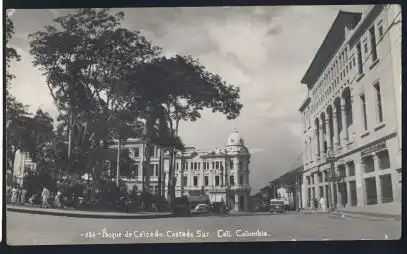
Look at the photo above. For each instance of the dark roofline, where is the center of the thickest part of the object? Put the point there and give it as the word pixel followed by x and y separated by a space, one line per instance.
pixel 304 104
pixel 308 77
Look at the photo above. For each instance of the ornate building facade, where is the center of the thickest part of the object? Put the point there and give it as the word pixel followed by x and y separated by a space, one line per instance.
pixel 353 111
pixel 222 173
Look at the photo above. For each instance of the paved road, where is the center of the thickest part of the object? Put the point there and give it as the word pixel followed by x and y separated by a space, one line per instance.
pixel 27 229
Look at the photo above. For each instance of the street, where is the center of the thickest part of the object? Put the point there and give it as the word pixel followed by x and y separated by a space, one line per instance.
pixel 28 229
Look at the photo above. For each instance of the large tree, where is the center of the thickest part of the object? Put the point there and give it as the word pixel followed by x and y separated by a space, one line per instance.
pixel 185 88
pixel 84 57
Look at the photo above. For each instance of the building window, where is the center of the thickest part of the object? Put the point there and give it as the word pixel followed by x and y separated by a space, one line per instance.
pixel 366 49
pixel 381 31
pixel 213 164
pixel 312 179
pixel 199 165
pixel 240 180
pixel 320 177
pixel 135 170
pixel 360 61
pixel 195 165
pixel 232 180
pixel 240 165
pixel 186 165
pixel 351 168
pixel 384 159
pixel 184 180
pixel 206 180
pixel 231 166
pixel 217 164
pixel 373 43
pixel 136 152
pixel 368 164
pixel 177 166
pixel 379 103
pixel 204 165
pixel 156 169
pixel 195 181
pixel 364 113
pixel 192 165
pixel 217 180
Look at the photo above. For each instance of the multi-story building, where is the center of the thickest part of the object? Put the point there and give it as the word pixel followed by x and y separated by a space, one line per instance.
pixel 353 111
pixel 222 173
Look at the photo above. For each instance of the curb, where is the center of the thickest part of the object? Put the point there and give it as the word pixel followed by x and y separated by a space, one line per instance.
pixel 90 215
pixel 367 216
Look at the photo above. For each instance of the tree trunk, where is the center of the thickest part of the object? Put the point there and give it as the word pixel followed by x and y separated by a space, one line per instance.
pixel 12 160
pixel 160 172
pixel 170 192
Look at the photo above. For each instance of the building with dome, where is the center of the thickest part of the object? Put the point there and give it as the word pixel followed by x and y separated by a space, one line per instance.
pixel 221 173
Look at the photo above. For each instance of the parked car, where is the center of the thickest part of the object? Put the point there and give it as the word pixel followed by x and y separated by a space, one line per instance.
pixel 219 208
pixel 201 209
pixel 277 206
pixel 182 207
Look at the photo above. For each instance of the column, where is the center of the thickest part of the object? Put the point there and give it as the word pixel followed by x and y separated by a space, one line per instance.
pixel 377 178
pixel 349 196
pixel 344 119
pixel 304 191
pixel 321 137
pixel 328 131
pixel 360 182
pixel 316 146
pixel 336 126
pixel 236 202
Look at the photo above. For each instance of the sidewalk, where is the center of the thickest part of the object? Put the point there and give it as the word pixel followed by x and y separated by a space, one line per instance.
pixel 388 211
pixel 87 214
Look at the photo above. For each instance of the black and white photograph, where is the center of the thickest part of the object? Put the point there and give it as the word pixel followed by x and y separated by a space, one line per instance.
pixel 203 124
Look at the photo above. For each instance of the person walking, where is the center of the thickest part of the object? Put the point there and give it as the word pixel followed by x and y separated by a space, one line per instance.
pixel 322 204
pixel 316 204
pixel 14 195
pixel 45 196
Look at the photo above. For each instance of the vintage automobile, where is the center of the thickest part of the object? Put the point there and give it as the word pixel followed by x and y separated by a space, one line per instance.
pixel 277 206
pixel 182 207
pixel 201 209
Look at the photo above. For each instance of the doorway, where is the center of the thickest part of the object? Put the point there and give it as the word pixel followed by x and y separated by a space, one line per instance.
pixel 371 191
pixel 241 203
pixel 387 188
pixel 344 193
pixel 327 197
pixel 353 193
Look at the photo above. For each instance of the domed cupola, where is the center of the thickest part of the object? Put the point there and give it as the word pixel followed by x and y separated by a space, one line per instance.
pixel 235 139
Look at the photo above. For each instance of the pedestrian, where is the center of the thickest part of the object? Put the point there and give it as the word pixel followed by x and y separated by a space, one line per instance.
pixel 59 200
pixel 45 196
pixel 316 205
pixel 14 195
pixel 322 203
pixel 19 194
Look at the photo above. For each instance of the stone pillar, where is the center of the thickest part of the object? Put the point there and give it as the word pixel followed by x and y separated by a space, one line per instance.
pixel 328 131
pixel 321 138
pixel 378 189
pixel 316 149
pixel 349 196
pixel 336 126
pixel 304 191
pixel 236 202
pixel 360 183
pixel 344 120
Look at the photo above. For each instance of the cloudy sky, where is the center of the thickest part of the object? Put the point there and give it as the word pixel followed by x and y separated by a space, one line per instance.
pixel 263 50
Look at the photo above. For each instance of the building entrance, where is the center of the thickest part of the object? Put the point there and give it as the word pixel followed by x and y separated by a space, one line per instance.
pixel 371 191
pixel 241 203
pixel 327 197
pixel 344 193
pixel 353 193
pixel 387 188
